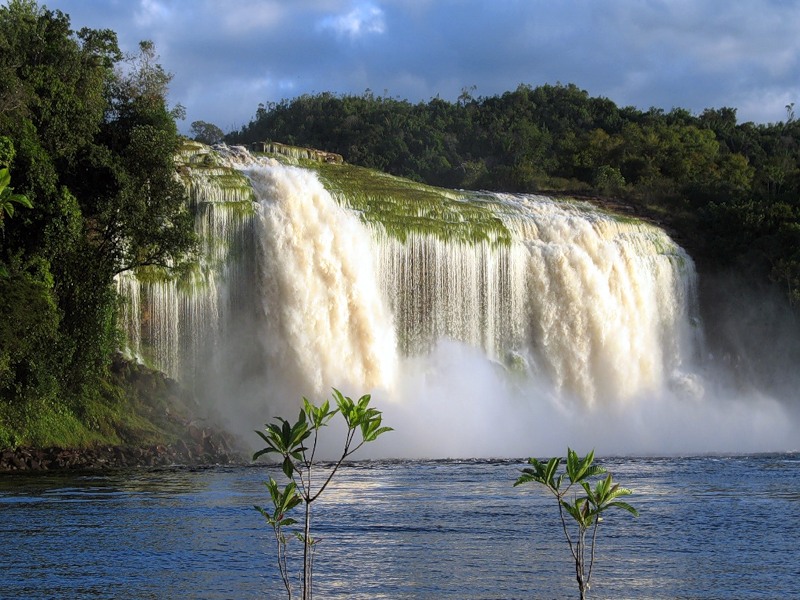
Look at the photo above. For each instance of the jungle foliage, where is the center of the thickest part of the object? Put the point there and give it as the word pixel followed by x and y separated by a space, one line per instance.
pixel 88 140
pixel 730 191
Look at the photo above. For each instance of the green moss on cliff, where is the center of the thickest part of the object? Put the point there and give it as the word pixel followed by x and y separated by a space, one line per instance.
pixel 208 180
pixel 402 206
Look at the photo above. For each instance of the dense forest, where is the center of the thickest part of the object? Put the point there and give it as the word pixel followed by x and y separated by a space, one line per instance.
pixel 88 191
pixel 729 191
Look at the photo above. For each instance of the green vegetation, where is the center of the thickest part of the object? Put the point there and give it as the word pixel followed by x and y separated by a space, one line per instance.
pixel 8 198
pixel 91 142
pixel 730 191
pixel 585 510
pixel 207 133
pixel 296 445
pixel 133 406
pixel 400 205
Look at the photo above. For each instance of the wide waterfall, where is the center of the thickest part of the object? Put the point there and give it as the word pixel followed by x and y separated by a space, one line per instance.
pixel 326 275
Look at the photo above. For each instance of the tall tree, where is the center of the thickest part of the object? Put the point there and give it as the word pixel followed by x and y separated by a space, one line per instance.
pixel 95 141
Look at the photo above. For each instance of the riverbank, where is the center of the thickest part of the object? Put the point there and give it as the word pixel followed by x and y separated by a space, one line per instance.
pixel 201 447
pixel 147 420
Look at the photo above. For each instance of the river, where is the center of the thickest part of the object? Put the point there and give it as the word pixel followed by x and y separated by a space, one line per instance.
pixel 709 527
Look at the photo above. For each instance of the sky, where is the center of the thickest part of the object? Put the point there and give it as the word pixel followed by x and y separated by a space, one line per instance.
pixel 227 56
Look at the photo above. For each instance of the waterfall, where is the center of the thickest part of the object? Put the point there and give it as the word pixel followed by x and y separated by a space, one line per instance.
pixel 323 315
pixel 611 301
pixel 176 322
pixel 601 306
pixel 312 289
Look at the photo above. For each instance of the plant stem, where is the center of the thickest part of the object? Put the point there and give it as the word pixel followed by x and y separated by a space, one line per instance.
pixel 579 562
pixel 307 554
pixel 591 559
pixel 282 561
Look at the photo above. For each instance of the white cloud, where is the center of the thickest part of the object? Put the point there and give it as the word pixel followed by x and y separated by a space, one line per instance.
pixel 692 54
pixel 151 12
pixel 764 105
pixel 361 20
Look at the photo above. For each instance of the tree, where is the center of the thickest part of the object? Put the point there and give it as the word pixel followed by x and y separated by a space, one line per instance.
pixel 207 133
pixel 584 510
pixel 296 445
pixel 93 151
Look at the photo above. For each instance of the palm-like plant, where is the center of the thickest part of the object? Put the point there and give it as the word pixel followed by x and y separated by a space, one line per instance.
pixel 296 444
pixel 585 510
pixel 8 198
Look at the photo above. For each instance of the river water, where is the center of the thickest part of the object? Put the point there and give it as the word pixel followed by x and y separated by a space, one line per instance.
pixel 709 527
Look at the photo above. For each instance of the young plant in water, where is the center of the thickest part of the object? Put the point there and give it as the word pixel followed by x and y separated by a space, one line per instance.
pixel 296 444
pixel 584 510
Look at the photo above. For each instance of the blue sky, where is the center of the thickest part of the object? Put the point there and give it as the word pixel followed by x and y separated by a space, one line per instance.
pixel 227 56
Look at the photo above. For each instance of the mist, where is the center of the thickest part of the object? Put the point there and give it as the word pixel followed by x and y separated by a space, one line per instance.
pixel 455 403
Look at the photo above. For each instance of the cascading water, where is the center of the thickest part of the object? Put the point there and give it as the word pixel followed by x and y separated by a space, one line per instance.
pixel 599 306
pixel 177 322
pixel 602 307
pixel 433 305
pixel 323 316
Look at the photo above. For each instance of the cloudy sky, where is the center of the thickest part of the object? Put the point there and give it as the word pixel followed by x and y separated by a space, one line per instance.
pixel 227 56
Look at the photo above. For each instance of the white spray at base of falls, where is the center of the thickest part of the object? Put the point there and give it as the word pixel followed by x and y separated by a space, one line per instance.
pixel 578 327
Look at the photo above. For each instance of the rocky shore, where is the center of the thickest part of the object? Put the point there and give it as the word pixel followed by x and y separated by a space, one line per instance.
pixel 198 447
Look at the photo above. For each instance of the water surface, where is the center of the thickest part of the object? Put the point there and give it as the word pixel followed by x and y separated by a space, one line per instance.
pixel 709 527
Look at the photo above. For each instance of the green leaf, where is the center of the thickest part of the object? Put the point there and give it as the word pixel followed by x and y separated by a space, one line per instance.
pixel 261 452
pixel 21 200
pixel 528 476
pixel 550 471
pixel 287 467
pixel 588 489
pixel 363 402
pixel 374 435
pixel 574 510
pixel 582 467
pixel 299 433
pixel 625 506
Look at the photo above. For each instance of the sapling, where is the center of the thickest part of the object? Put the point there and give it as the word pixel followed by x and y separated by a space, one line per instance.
pixel 296 444
pixel 584 510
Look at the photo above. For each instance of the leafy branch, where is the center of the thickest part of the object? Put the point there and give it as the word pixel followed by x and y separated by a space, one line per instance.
pixel 584 510
pixel 8 198
pixel 296 446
